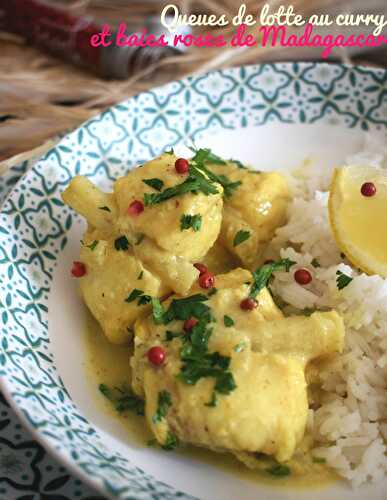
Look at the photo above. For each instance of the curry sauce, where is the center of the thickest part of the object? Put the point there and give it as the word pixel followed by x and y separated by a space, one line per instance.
pixel 109 364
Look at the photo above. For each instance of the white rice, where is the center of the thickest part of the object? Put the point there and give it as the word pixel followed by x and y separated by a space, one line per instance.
pixel 350 426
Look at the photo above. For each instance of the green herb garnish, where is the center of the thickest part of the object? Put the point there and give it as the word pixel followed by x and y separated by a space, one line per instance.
pixel 123 399
pixel 225 382
pixel 171 335
pixel 91 246
pixel 205 155
pixel 213 401
pixel 240 237
pixel 194 183
pixel 171 442
pixel 154 183
pixel 342 280
pixel 262 275
pixel 121 243
pixel 107 209
pixel 134 294
pixel 228 321
pixel 182 309
pixel 212 292
pixel 200 179
pixel 169 151
pixel 279 470
pixel 163 403
pixel 144 299
pixel 239 164
pixel 139 277
pixel 319 460
pixel 187 221
pixel 197 361
pixel 157 311
pixel 138 294
pixel 315 263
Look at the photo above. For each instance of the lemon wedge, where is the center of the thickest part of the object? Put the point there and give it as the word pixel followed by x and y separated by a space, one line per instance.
pixel 358 216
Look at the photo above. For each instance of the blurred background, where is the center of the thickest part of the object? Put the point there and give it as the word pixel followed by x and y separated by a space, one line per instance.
pixel 43 95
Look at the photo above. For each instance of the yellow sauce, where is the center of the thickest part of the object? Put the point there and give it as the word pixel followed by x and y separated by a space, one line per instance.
pixel 109 364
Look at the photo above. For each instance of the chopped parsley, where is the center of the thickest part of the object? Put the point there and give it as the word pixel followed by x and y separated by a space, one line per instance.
pixel 319 460
pixel 139 277
pixel 197 361
pixel 225 382
pixel 342 280
pixel 240 347
pixel 279 470
pixel 228 321
pixel 163 403
pixel 91 246
pixel 156 184
pixel 262 275
pixel 121 243
pixel 195 182
pixel 205 155
pixel 144 299
pixel 315 263
pixel 240 237
pixel 239 164
pixel 171 442
pixel 134 294
pixel 187 221
pixel 107 209
pixel 171 335
pixel 182 309
pixel 157 311
pixel 123 399
pixel 138 294
pixel 200 179
pixel 213 401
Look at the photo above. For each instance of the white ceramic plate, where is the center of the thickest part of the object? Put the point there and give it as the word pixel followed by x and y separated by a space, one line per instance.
pixel 271 116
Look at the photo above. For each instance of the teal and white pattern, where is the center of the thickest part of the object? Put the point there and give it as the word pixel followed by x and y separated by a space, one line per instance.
pixel 27 471
pixel 34 223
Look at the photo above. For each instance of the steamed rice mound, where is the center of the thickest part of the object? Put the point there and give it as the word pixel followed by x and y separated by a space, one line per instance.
pixel 349 422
